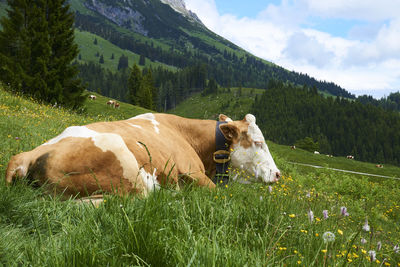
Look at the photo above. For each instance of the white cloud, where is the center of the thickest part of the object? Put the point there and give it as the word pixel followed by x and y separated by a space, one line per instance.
pixel 278 34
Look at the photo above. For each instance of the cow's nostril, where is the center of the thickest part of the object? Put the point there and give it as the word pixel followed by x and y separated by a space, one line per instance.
pixel 278 175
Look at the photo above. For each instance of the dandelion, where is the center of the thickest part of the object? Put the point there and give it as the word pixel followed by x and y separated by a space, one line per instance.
pixel 372 255
pixel 366 227
pixel 328 237
pixel 340 232
pixel 325 213
pixel 343 211
pixel 379 245
pixel 292 215
pixel 310 216
pixel 387 263
pixel 324 250
pixel 363 241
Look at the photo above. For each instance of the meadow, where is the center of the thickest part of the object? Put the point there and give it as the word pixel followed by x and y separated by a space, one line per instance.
pixel 311 217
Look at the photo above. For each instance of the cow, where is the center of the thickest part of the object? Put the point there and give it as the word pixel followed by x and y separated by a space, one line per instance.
pixel 350 157
pixel 293 147
pixel 316 152
pixel 92 97
pixel 116 105
pixel 143 153
pixel 111 103
pixel 379 166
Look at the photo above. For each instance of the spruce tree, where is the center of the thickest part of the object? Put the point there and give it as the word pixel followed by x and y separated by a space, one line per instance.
pixel 134 84
pixel 36 50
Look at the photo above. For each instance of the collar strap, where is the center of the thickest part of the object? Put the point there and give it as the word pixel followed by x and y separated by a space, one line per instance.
pixel 221 156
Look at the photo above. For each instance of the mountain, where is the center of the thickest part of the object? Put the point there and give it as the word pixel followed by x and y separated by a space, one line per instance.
pixel 165 31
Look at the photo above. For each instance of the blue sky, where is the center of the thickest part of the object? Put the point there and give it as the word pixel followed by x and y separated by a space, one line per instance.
pixel 353 43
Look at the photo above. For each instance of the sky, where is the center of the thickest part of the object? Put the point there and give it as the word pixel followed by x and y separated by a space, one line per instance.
pixel 353 43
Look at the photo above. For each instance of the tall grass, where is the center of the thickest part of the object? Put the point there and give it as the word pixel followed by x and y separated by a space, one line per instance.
pixel 238 225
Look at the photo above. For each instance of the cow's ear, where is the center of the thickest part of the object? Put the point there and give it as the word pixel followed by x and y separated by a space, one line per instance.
pixel 230 131
pixel 223 117
pixel 250 118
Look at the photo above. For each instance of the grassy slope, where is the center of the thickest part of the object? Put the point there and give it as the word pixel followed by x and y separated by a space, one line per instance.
pixel 234 226
pixel 209 107
pixel 88 51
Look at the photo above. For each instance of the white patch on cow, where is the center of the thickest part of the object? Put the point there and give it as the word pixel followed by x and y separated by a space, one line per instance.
pixel 150 180
pixel 256 160
pixel 73 131
pixel 136 126
pixel 150 117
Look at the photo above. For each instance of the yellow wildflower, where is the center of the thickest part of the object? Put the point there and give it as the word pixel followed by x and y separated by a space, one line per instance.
pixel 340 232
pixel 292 215
pixel 387 263
pixel 324 250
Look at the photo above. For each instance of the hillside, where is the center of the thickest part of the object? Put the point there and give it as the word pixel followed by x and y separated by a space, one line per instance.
pixel 249 224
pixel 159 33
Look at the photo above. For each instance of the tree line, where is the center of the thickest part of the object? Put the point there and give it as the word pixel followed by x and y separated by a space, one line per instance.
pixel 288 114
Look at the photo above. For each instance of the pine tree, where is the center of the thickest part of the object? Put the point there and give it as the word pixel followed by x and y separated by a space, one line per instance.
pixel 142 60
pixel 36 50
pixel 123 62
pixel 101 60
pixel 134 84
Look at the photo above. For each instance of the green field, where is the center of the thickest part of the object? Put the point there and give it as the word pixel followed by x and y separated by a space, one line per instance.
pixel 241 225
pixel 88 51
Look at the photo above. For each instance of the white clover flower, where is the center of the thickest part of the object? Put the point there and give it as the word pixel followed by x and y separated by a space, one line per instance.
pixel 372 255
pixel 310 216
pixel 363 241
pixel 328 237
pixel 325 213
pixel 366 227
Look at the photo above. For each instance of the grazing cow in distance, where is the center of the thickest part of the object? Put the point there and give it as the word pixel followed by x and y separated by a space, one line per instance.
pixel 330 156
pixel 293 147
pixel 379 166
pixel 142 153
pixel 111 103
pixel 92 97
pixel 350 157
pixel 316 152
pixel 116 105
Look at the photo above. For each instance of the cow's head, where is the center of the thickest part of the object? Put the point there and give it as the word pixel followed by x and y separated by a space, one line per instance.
pixel 249 152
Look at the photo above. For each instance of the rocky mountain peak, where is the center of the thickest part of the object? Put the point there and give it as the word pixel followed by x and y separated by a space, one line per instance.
pixel 179 6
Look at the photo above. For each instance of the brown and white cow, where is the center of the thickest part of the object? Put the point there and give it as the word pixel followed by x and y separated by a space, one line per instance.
pixel 92 97
pixel 115 156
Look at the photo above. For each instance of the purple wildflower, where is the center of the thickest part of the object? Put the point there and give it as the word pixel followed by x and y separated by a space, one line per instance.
pixel 325 213
pixel 396 249
pixel 270 189
pixel 343 211
pixel 379 245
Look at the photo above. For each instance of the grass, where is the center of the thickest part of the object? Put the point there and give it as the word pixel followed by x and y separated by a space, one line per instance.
pixel 241 225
